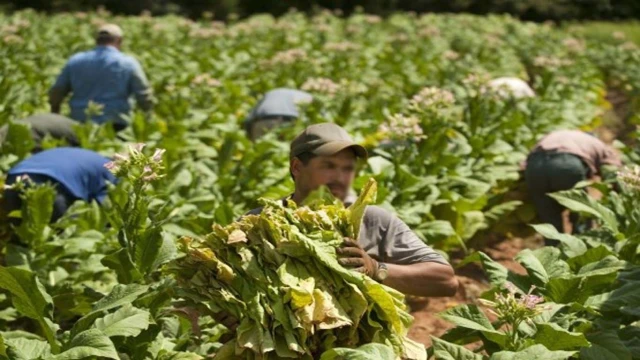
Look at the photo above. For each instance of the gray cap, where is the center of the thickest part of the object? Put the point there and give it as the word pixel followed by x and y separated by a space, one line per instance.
pixel 280 102
pixel 324 139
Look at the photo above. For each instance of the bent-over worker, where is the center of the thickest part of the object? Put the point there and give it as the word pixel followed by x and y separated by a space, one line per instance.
pixel 54 125
pixel 76 174
pixel 558 162
pixel 277 107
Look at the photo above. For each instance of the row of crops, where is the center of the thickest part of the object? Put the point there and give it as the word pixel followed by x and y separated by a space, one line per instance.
pixel 101 282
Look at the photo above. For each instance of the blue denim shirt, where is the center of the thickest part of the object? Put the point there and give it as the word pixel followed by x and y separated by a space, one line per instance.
pixel 105 76
pixel 80 171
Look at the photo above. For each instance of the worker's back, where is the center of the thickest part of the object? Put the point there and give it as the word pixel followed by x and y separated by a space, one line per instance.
pixel 590 149
pixel 102 75
pixel 80 171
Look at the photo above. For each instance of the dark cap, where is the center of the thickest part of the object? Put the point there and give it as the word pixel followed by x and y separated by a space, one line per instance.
pixel 324 139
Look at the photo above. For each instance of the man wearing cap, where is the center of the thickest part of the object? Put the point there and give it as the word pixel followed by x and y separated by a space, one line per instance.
pixel 558 162
pixel 386 249
pixel 54 125
pixel 104 76
pixel 277 107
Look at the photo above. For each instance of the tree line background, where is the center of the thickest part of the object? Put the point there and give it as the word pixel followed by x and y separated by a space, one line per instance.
pixel 534 10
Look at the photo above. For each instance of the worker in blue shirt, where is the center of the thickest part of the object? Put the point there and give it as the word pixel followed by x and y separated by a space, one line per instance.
pixel 104 76
pixel 277 107
pixel 76 174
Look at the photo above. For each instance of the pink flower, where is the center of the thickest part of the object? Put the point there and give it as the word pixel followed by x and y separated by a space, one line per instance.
pixel 509 286
pixel 111 166
pixel 150 177
pixel 120 157
pixel 138 147
pixel 531 301
pixel 147 169
pixel 157 155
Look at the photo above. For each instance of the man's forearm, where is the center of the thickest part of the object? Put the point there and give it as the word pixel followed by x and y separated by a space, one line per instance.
pixel 422 279
pixel 55 108
pixel 56 96
pixel 145 100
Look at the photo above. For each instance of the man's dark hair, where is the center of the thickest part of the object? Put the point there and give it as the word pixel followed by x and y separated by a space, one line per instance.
pixel 106 39
pixel 305 157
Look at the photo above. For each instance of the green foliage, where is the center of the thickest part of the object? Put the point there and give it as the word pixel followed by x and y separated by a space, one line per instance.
pixel 445 154
pixel 29 298
pixel 364 352
pixel 36 211
pixel 17 140
pixel 590 285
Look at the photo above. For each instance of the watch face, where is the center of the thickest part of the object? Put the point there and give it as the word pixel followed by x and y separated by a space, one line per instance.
pixel 382 274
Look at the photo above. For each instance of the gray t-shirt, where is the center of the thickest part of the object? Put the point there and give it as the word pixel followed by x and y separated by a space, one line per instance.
pixel 388 239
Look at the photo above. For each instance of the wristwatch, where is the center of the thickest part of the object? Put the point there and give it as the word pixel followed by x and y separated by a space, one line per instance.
pixel 382 272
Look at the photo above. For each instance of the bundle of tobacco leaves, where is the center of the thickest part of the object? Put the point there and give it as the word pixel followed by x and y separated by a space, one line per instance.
pixel 277 272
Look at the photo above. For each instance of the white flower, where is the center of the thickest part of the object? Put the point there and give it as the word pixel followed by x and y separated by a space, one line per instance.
pixel 321 85
pixel 550 62
pixel 206 79
pixel 429 32
pixel 432 97
pixel 288 57
pixel 341 46
pixel 618 35
pixel 574 45
pixel 12 39
pixel 401 127
pixel 372 19
pixel 450 55
pixel 630 176
pixel 206 33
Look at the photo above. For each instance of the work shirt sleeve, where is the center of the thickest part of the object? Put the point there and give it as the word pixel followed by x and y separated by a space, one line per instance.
pixel 387 238
pixel 61 87
pixel 405 247
pixel 609 156
pixel 139 87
